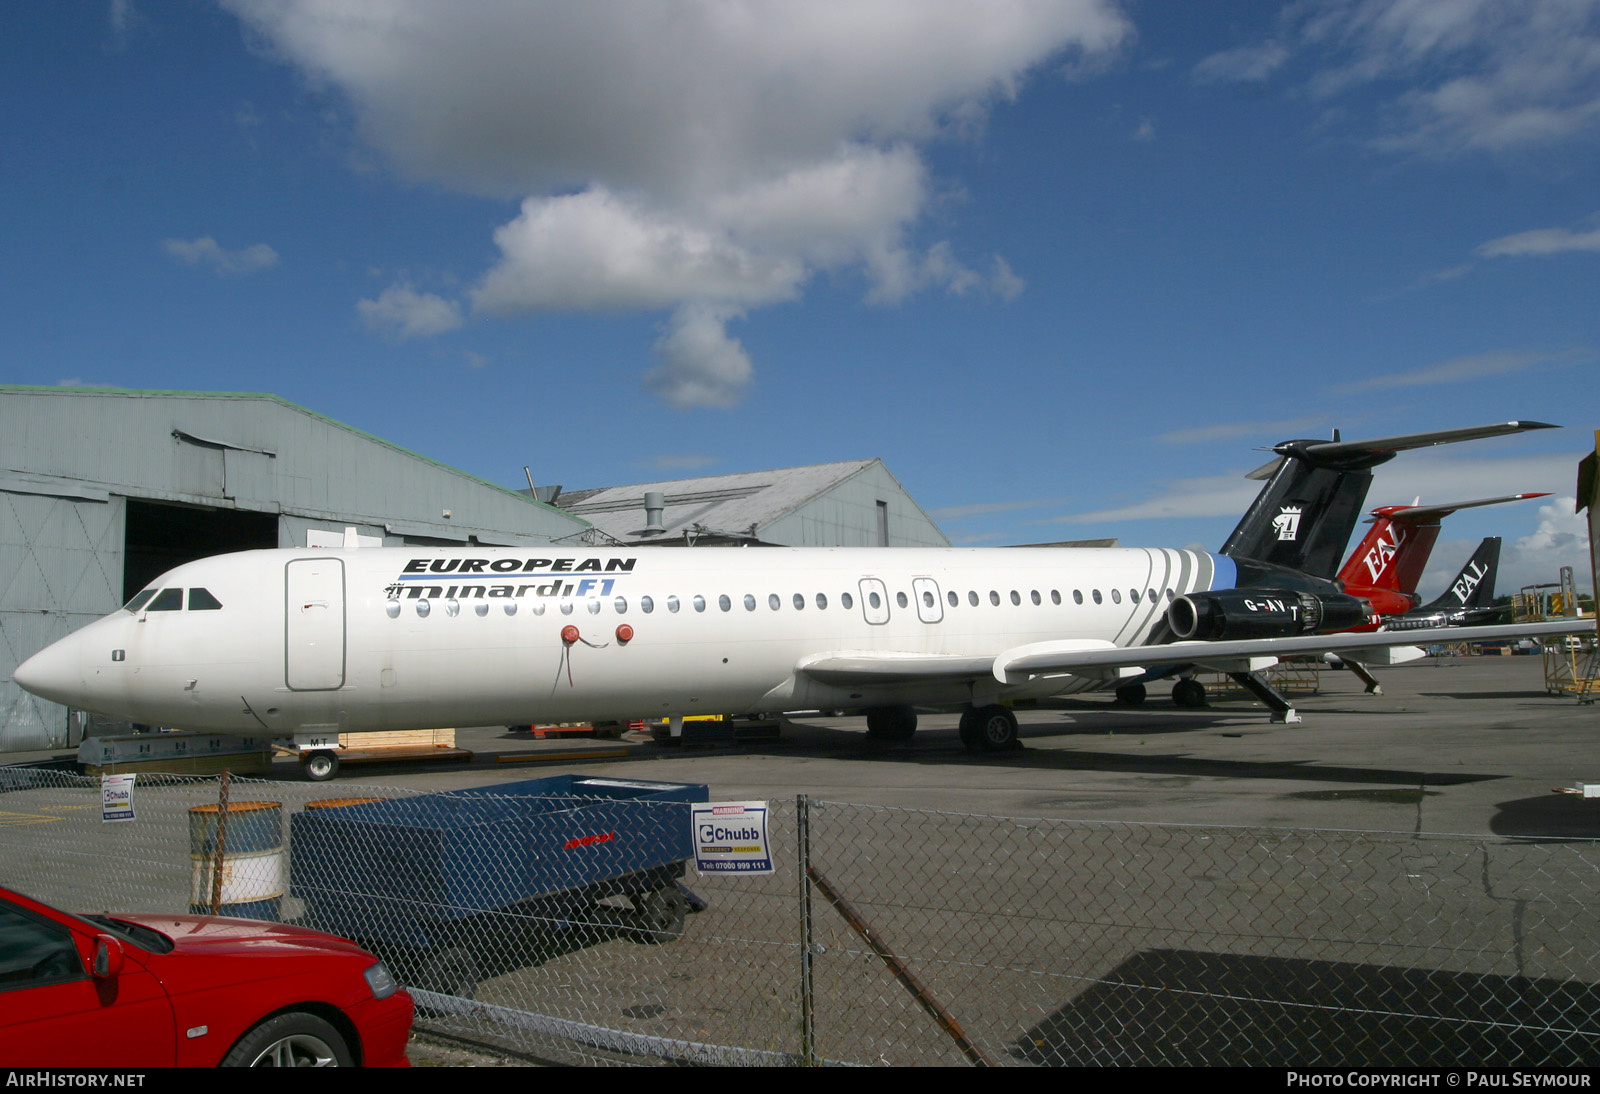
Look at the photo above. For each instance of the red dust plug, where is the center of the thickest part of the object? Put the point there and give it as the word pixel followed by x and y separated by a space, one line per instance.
pixel 569 634
pixel 624 632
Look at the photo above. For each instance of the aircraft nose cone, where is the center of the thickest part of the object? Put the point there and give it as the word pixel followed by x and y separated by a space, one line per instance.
pixel 53 673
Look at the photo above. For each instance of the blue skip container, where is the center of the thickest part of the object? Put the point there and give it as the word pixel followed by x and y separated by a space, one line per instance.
pixel 447 876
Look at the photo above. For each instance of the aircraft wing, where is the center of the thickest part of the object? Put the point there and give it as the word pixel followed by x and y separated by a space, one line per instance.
pixel 848 669
pixel 1076 656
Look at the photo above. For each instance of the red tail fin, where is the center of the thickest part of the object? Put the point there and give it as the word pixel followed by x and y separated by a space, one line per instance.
pixel 1392 556
pixel 1387 565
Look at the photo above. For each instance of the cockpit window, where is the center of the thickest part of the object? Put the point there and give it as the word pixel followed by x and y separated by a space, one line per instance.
pixel 140 601
pixel 201 600
pixel 167 600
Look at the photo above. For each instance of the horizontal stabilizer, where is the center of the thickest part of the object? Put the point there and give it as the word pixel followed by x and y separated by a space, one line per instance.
pixel 1316 490
pixel 1339 450
pixel 1381 449
pixel 1427 512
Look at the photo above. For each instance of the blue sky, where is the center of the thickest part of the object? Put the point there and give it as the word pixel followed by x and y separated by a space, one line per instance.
pixel 1062 265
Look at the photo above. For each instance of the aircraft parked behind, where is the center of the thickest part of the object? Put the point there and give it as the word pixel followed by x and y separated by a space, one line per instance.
pixel 1387 565
pixel 1467 602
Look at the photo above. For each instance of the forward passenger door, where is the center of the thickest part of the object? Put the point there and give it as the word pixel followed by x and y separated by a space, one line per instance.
pixel 314 624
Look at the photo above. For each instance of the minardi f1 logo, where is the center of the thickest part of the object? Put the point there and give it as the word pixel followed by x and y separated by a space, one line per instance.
pixel 482 577
pixel 1287 522
pixel 1468 581
pixel 1377 559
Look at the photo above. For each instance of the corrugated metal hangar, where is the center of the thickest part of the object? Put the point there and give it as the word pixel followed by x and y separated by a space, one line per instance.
pixel 857 503
pixel 102 490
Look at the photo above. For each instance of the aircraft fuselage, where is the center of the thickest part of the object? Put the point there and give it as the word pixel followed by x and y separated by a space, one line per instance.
pixel 396 638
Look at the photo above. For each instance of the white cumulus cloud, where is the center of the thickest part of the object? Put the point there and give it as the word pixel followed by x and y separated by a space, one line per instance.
pixel 705 157
pixel 596 250
pixel 1561 539
pixel 402 312
pixel 206 251
pixel 701 365
pixel 1248 64
pixel 1458 370
pixel 1541 241
pixel 1446 76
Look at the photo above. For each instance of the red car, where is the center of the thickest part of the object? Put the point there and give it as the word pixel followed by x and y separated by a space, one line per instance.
pixel 147 990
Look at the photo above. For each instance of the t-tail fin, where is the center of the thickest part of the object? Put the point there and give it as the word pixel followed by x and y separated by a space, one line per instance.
pixel 1395 551
pixel 1473 587
pixel 1315 491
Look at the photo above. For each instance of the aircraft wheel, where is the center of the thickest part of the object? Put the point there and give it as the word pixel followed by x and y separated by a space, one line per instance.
pixel 1189 693
pixel 997 728
pixel 891 723
pixel 971 730
pixel 320 766
pixel 1131 695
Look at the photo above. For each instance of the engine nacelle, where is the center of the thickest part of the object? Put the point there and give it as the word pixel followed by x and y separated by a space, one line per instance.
pixel 1263 613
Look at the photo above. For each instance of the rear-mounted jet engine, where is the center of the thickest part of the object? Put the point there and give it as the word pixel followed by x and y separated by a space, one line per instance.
pixel 1262 613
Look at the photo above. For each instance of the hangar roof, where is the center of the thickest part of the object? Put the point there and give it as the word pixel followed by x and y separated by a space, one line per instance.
pixel 250 451
pixel 797 506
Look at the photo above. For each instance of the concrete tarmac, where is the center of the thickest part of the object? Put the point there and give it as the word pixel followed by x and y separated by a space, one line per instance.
pixel 1469 746
pixel 1453 745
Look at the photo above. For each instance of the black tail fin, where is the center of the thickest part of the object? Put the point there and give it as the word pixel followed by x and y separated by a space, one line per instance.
pixel 1473 587
pixel 1303 517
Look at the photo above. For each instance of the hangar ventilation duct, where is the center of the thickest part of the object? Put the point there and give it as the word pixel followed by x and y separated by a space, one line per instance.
pixel 546 494
pixel 655 505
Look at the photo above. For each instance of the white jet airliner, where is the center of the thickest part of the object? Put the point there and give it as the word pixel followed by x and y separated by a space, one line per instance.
pixel 308 643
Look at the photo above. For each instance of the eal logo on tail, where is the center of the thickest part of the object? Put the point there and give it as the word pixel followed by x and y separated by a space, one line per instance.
pixel 1287 523
pixel 1468 581
pixel 1377 559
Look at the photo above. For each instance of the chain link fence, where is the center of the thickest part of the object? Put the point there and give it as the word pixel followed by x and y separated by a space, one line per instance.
pixel 559 925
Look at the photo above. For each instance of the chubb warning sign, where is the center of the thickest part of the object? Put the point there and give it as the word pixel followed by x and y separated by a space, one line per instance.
pixel 731 838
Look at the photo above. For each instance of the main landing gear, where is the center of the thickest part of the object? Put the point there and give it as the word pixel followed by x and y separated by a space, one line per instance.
pixel 1189 694
pixel 1192 694
pixel 983 729
pixel 988 729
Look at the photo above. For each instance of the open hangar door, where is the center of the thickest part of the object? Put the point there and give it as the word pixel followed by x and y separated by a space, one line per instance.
pixel 60 569
pixel 161 536
pixel 156 537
